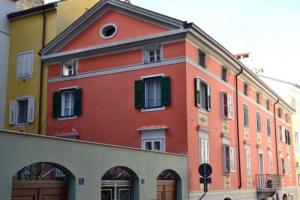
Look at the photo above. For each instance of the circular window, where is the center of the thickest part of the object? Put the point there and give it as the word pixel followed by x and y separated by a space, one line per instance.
pixel 108 31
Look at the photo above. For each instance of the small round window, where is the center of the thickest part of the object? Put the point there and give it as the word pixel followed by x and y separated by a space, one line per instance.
pixel 108 31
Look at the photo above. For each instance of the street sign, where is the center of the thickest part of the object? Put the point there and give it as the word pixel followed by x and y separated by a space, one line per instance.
pixel 205 180
pixel 205 170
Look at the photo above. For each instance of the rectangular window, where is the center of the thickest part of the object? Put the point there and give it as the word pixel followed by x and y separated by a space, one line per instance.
pixel 24 65
pixel 67 103
pixel 296 136
pixel 202 94
pixel 153 140
pixel 224 74
pixel 246 116
pixel 152 53
pixel 248 161
pixel 227 105
pixel 287 118
pixel 287 137
pixel 69 68
pixel 283 166
pixel 258 122
pixel 228 159
pixel 245 89
pixel 279 112
pixel 154 92
pixel 268 105
pixel 269 127
pixel 257 98
pixel 21 111
pixel 204 151
pixel 201 58
pixel 270 162
pixel 281 133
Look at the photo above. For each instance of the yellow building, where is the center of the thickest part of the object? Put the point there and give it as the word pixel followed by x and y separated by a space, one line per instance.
pixel 31 29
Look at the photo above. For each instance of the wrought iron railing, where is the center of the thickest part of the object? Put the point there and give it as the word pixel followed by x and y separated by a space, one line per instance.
pixel 268 182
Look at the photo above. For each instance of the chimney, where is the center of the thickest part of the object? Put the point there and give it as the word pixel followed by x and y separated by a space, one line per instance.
pixel 26 4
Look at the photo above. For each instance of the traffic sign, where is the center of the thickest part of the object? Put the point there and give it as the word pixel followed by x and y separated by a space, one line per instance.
pixel 205 180
pixel 205 170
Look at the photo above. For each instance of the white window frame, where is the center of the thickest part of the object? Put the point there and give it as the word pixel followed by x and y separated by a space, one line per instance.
pixel 228 106
pixel 153 48
pixel 14 110
pixel 23 71
pixel 204 150
pixel 153 135
pixel 74 67
pixel 229 163
pixel 204 106
pixel 248 160
pixel 63 114
pixel 157 101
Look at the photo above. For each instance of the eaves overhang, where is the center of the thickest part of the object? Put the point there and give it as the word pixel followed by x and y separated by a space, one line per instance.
pixel 118 46
pixel 31 11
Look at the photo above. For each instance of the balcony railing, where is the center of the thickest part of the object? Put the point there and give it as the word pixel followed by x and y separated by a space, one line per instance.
pixel 268 182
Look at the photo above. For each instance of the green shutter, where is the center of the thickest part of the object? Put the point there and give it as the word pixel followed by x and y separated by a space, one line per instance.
pixel 78 102
pixel 165 91
pixel 197 89
pixel 139 94
pixel 56 104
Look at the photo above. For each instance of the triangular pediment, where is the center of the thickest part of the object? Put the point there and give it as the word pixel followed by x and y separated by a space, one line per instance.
pixel 129 21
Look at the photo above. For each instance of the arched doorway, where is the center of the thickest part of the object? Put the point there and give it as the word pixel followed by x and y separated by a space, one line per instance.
pixel 119 183
pixel 43 180
pixel 168 186
pixel 227 199
pixel 284 197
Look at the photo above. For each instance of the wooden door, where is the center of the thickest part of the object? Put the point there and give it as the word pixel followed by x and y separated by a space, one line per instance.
pixel 39 190
pixel 166 190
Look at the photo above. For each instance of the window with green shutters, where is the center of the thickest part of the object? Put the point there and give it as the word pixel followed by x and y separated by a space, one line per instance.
pixel 202 94
pixel 67 103
pixel 154 92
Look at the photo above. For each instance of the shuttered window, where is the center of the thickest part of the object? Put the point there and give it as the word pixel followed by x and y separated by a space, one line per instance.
pixel 229 160
pixel 154 92
pixel 21 111
pixel 227 105
pixel 67 103
pixel 202 94
pixel 24 65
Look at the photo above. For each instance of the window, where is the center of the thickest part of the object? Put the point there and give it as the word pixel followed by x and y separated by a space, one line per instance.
pixel 69 68
pixel 258 122
pixel 270 162
pixel 287 137
pixel 269 127
pixel 224 74
pixel 287 118
pixel 229 159
pixel 248 161
pixel 296 135
pixel 67 103
pixel 24 65
pixel 246 116
pixel 268 105
pixel 153 92
pixel 257 98
pixel 245 89
pixel 202 94
pixel 279 112
pixel 108 31
pixel 283 166
pixel 152 53
pixel 204 151
pixel 280 133
pixel 227 105
pixel 21 111
pixel 153 140
pixel 201 58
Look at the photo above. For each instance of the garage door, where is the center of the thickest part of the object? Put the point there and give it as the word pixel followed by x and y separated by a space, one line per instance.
pixel 39 190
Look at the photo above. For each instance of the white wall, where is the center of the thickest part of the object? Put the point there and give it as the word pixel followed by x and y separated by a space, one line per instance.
pixel 7 6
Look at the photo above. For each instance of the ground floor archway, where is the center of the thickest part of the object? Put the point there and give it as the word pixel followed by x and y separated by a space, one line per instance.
pixel 168 185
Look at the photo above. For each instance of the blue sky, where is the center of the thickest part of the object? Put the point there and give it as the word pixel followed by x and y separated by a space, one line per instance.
pixel 269 29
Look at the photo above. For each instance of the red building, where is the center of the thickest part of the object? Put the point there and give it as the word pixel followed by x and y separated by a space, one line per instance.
pixel 127 76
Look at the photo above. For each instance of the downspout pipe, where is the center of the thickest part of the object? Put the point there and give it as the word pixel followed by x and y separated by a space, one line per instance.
pixel 238 125
pixel 275 130
pixel 44 24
